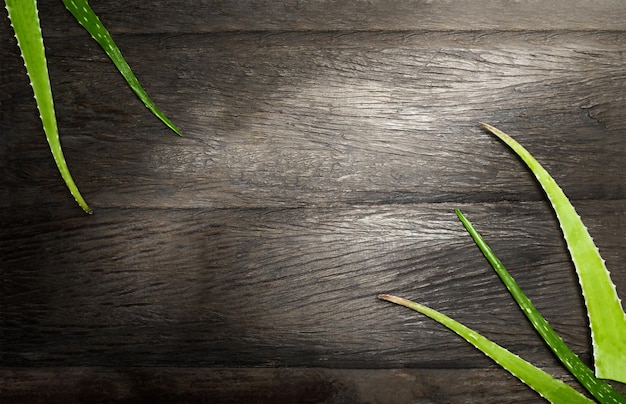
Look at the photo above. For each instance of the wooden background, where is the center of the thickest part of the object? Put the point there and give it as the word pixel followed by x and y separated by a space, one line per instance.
pixel 326 145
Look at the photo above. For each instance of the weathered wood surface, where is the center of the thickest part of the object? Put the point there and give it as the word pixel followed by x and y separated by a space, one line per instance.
pixel 297 119
pixel 292 385
pixel 325 149
pixel 175 16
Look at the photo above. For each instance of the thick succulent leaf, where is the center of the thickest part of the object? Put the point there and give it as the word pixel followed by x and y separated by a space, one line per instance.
pixel 602 391
pixel 607 319
pixel 25 21
pixel 547 386
pixel 83 13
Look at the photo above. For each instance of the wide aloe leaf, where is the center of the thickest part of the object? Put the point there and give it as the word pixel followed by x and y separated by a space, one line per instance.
pixel 83 13
pixel 547 386
pixel 25 21
pixel 607 319
pixel 602 391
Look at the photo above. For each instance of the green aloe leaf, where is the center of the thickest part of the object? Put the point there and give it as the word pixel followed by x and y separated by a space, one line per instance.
pixel 25 21
pixel 547 386
pixel 607 319
pixel 86 17
pixel 602 391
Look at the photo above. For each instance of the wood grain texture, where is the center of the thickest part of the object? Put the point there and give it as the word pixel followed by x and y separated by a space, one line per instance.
pixel 178 287
pixel 291 385
pixel 176 16
pixel 299 119
pixel 326 146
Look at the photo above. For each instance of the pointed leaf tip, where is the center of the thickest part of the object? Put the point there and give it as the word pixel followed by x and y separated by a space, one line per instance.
pixel 86 17
pixel 24 18
pixel 547 386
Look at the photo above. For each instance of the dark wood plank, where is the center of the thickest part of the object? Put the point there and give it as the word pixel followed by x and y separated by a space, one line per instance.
pixel 293 287
pixel 291 385
pixel 298 119
pixel 177 16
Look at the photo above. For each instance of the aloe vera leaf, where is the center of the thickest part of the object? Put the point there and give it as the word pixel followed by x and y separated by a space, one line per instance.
pixel 601 390
pixel 24 18
pixel 86 17
pixel 543 383
pixel 607 319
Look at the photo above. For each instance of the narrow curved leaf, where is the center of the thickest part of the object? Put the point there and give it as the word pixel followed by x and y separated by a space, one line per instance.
pixel 602 391
pixel 25 21
pixel 607 319
pixel 86 17
pixel 547 386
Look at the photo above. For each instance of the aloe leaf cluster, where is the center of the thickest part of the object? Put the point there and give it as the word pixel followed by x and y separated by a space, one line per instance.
pixel 598 388
pixel 606 315
pixel 24 18
pixel 605 312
